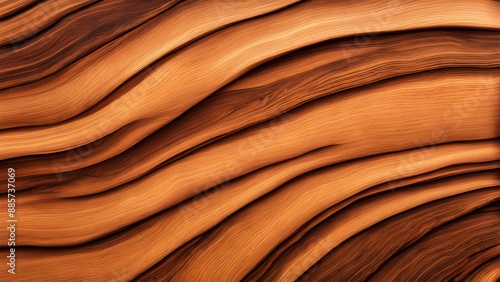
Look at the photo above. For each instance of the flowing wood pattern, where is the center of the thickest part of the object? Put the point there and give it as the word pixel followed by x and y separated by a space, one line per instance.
pixel 225 140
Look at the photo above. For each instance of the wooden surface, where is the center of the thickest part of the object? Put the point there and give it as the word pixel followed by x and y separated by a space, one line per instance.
pixel 225 140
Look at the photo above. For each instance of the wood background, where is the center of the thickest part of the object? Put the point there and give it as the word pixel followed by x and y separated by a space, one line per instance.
pixel 226 140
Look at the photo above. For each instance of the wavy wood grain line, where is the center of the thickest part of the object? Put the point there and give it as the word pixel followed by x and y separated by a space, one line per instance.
pixel 9 8
pixel 226 140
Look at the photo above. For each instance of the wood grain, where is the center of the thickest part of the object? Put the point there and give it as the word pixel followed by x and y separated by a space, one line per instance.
pixel 226 140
